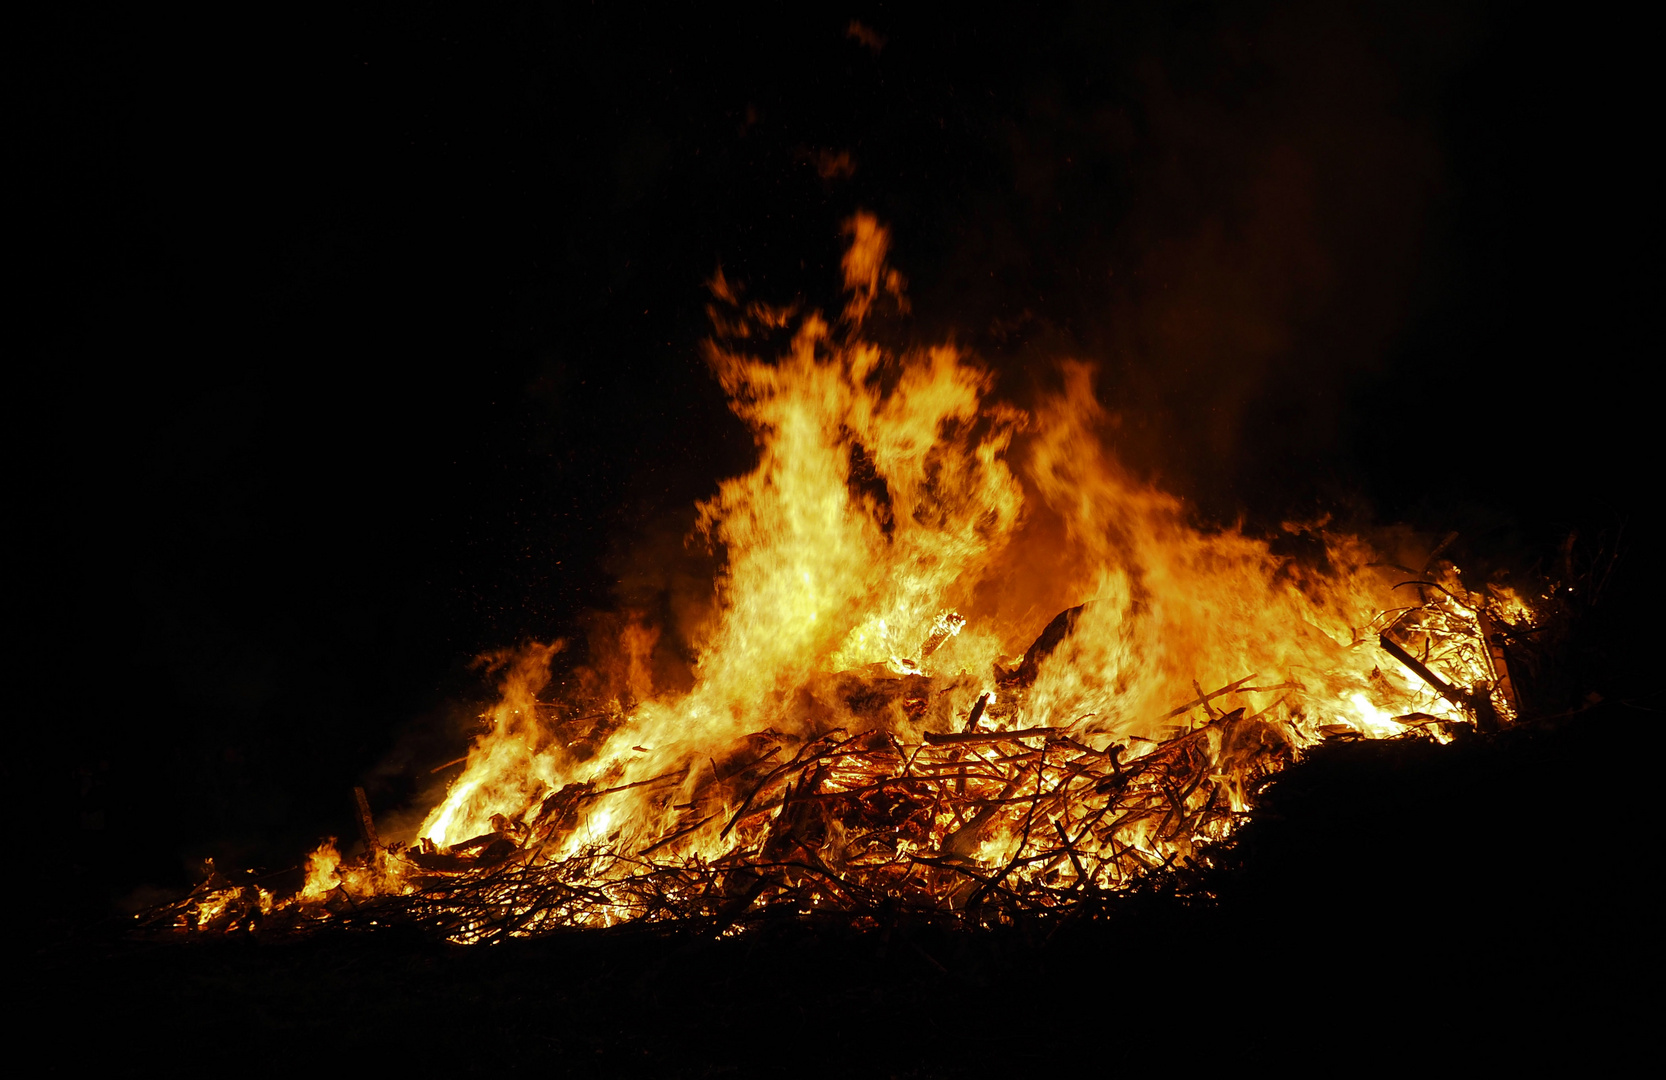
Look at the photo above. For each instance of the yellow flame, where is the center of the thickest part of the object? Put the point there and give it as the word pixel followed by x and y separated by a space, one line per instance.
pixel 902 523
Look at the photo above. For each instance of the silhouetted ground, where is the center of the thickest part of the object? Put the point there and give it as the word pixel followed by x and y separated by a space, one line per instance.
pixel 1482 904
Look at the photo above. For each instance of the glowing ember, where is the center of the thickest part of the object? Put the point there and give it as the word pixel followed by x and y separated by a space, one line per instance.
pixel 874 721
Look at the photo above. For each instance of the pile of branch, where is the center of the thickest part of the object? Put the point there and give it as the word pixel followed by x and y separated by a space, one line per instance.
pixel 860 825
pixel 976 826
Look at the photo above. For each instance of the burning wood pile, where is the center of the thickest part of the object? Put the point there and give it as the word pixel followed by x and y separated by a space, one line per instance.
pixel 992 820
pixel 851 746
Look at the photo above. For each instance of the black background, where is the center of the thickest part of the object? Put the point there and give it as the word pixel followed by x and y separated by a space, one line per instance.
pixel 351 345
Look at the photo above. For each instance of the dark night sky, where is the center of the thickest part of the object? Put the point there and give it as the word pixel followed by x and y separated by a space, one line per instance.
pixel 356 345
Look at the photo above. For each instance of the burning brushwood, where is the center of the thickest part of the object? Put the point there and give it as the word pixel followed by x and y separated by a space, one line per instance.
pixel 849 742
pixel 980 822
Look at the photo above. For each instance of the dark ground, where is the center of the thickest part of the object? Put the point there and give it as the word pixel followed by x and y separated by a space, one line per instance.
pixel 349 348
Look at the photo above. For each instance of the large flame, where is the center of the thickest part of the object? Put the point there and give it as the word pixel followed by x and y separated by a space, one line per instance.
pixel 903 524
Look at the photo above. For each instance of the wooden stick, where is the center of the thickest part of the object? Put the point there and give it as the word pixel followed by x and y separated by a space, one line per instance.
pixel 679 834
pixel 674 773
pixel 1493 642
pixel 1205 698
pixel 961 738
pixel 367 824
pixel 1441 686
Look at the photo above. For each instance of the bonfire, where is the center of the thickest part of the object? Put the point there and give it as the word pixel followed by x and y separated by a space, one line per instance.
pixel 958 664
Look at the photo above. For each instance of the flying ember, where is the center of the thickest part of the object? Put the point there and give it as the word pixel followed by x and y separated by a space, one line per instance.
pixel 958 661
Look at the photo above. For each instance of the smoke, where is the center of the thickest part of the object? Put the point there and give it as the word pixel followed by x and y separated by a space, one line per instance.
pixel 1228 215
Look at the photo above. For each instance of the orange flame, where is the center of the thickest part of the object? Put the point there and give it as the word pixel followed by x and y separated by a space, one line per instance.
pixel 902 522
